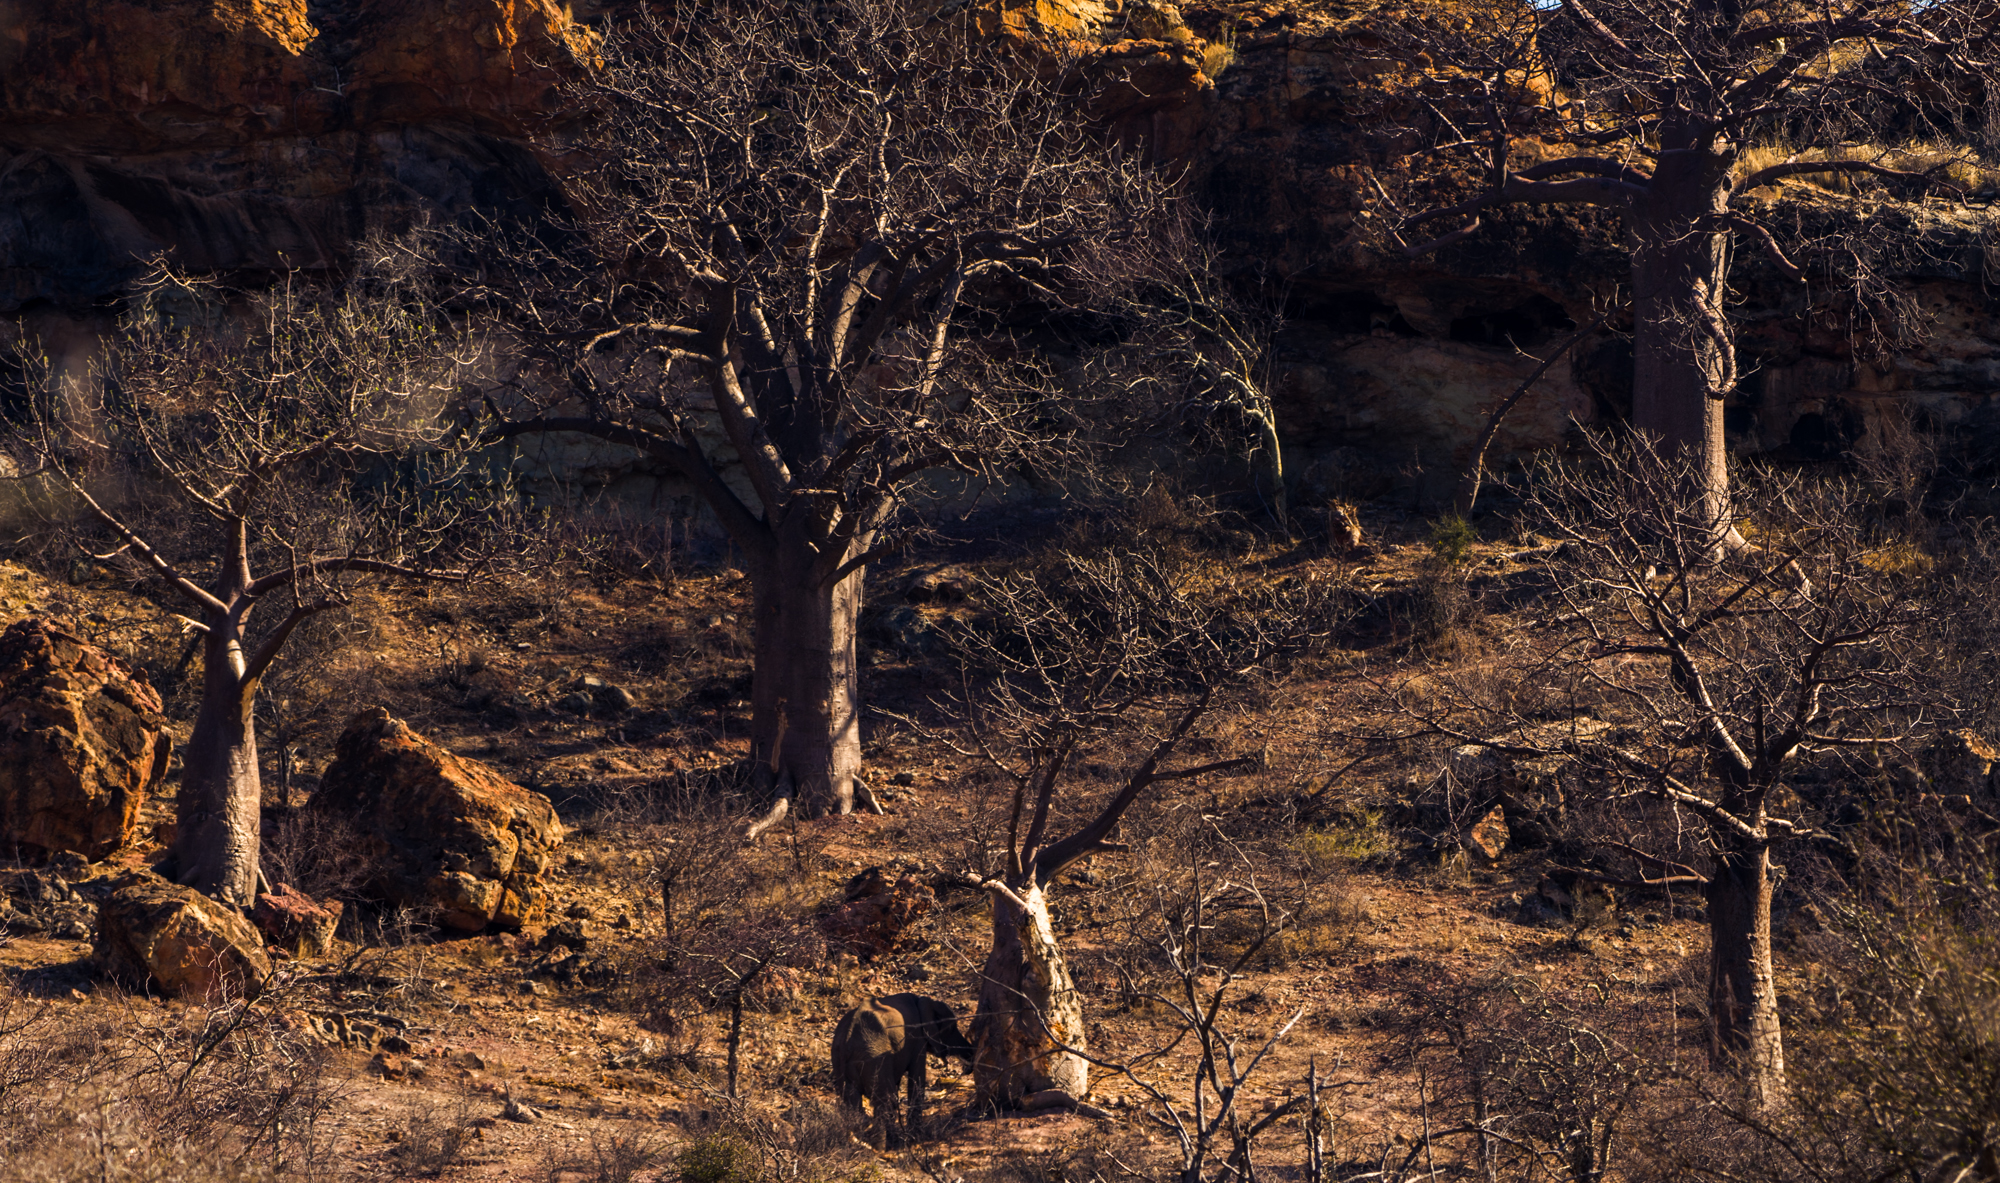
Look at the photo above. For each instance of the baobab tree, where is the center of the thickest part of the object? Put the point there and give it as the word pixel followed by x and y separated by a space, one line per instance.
pixel 1092 658
pixel 1686 117
pixel 802 234
pixel 241 450
pixel 1710 690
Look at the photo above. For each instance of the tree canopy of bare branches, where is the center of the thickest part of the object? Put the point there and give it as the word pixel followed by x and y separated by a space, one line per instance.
pixel 1083 657
pixel 1701 689
pixel 1652 109
pixel 250 450
pixel 1197 342
pixel 803 232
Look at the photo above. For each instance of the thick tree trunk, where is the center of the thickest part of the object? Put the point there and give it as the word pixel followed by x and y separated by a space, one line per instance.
pixel 1027 1007
pixel 806 693
pixel 1743 993
pixel 1683 353
pixel 1274 470
pixel 221 795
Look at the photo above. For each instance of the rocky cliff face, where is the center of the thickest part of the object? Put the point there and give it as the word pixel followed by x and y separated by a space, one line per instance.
pixel 260 134
pixel 257 134
pixel 1395 363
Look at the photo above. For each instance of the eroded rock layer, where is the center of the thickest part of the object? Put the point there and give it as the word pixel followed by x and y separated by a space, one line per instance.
pixel 254 135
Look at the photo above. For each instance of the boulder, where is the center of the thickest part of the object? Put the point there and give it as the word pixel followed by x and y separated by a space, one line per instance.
pixel 575 935
pixel 440 831
pixel 187 944
pixel 1487 838
pixel 82 743
pixel 593 695
pixel 293 921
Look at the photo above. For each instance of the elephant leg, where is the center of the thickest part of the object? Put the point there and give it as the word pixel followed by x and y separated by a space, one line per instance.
pixel 919 1081
pixel 885 1106
pixel 853 1084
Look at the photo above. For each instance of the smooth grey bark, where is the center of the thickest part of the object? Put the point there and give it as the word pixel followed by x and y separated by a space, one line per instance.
pixel 219 807
pixel 1745 1028
pixel 1029 1024
pixel 1683 352
pixel 806 690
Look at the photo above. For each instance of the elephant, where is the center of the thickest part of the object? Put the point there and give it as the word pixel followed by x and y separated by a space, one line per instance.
pixel 886 1040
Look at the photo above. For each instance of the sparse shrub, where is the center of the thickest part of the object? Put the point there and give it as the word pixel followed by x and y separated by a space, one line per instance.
pixel 717 1158
pixel 1332 849
pixel 1452 539
pixel 1442 606
pixel 433 1138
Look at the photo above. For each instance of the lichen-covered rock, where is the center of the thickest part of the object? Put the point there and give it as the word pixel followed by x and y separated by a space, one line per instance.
pixel 295 922
pixel 82 743
pixel 187 944
pixel 440 831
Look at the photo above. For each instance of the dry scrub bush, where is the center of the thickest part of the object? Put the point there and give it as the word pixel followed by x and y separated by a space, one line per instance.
pixel 727 924
pixel 614 1157
pixel 434 1136
pixel 1901 1072
pixel 1203 923
pixel 1519 1079
pixel 811 1142
pixel 182 1093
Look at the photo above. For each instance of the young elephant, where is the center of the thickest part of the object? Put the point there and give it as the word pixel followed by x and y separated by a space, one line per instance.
pixel 884 1041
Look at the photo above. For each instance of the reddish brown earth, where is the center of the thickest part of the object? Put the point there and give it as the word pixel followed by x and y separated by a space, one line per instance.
pixel 1378 929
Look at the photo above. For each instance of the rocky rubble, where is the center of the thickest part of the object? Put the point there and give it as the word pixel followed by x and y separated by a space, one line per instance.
pixel 47 902
pixel 442 833
pixel 82 743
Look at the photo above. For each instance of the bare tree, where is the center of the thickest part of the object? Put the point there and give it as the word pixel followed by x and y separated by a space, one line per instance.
pixel 1652 109
pixel 1090 658
pixel 1213 1123
pixel 726 930
pixel 1197 345
pixel 805 230
pixel 245 448
pixel 1712 685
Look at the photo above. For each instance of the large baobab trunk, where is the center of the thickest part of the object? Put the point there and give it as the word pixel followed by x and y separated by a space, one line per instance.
pixel 221 795
pixel 1743 994
pixel 1683 353
pixel 1029 1010
pixel 806 696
